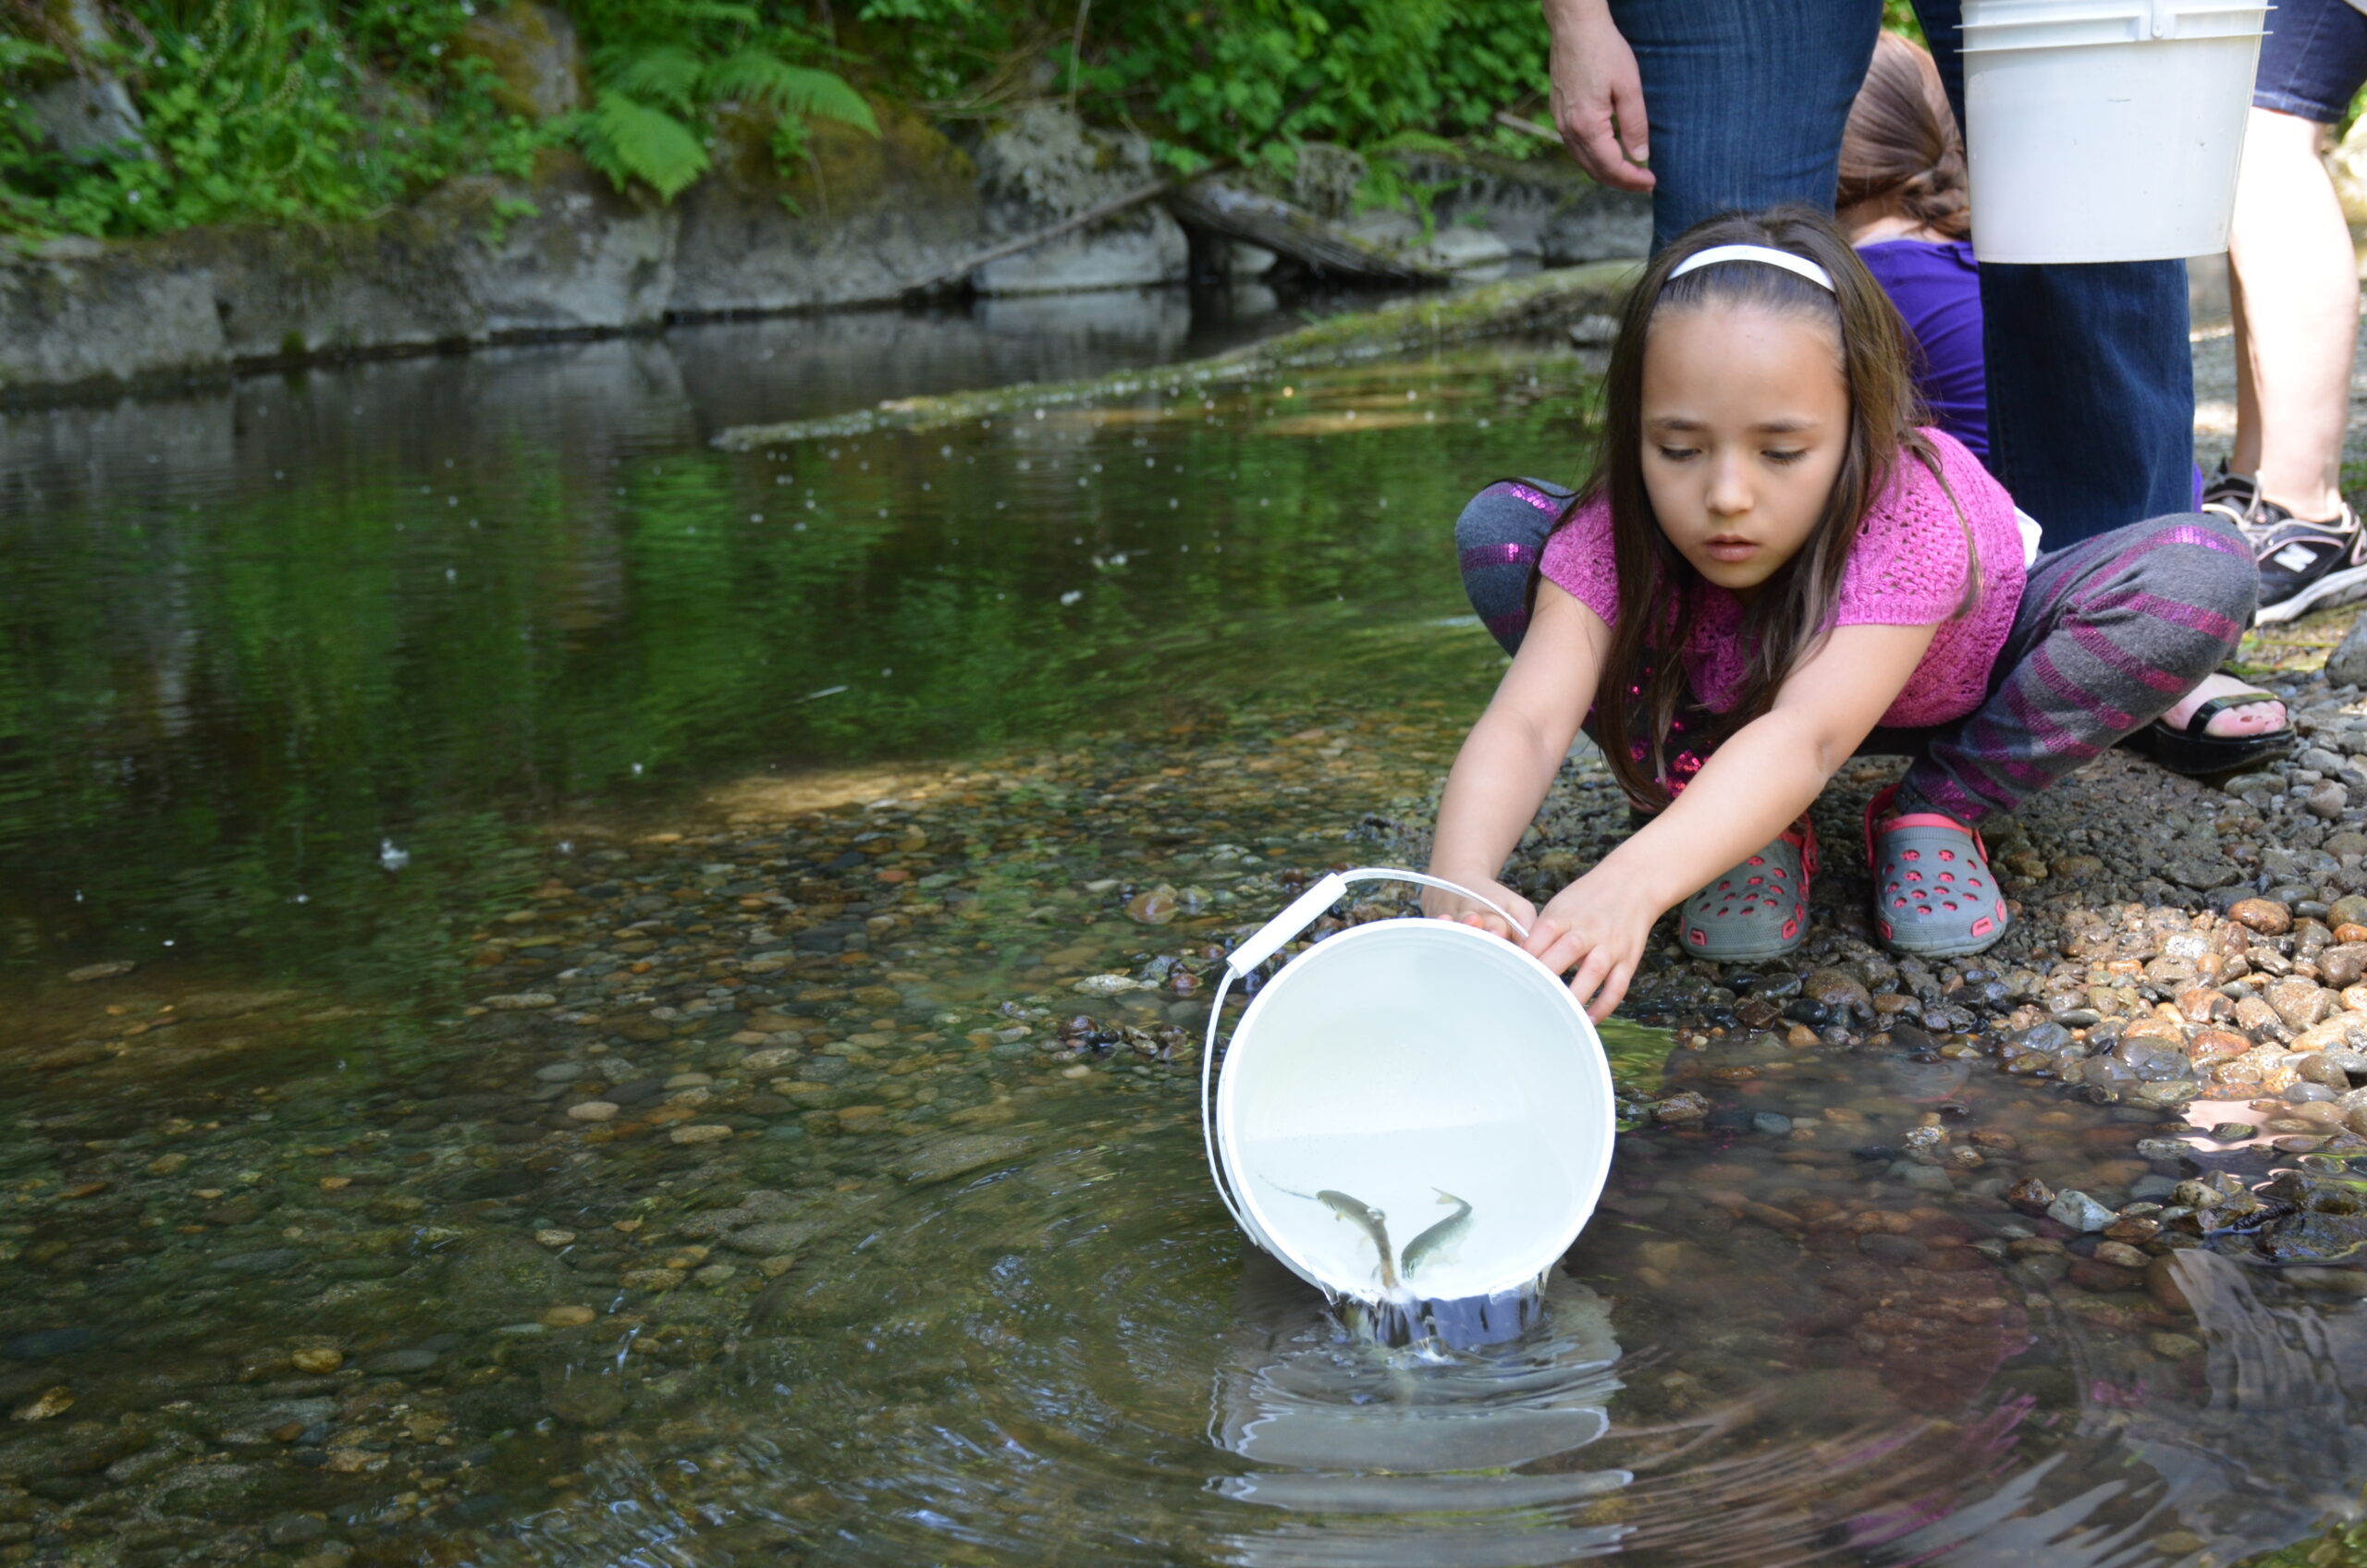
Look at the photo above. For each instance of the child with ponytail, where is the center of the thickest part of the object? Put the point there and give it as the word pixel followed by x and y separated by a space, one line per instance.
pixel 1773 566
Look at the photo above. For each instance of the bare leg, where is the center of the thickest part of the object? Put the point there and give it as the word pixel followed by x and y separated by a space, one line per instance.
pixel 2297 316
pixel 2245 459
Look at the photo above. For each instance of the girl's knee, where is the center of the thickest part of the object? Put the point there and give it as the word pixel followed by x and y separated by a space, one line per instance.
pixel 1518 512
pixel 2201 568
pixel 2225 576
pixel 1499 541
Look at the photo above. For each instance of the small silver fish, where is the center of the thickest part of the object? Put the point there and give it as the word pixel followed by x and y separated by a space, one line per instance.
pixel 1368 1219
pixel 1441 1237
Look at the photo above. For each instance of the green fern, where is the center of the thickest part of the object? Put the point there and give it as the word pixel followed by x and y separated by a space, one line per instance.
pixel 628 140
pixel 664 73
pixel 758 76
pixel 15 53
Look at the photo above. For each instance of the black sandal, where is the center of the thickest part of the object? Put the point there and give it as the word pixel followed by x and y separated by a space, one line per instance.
pixel 2194 752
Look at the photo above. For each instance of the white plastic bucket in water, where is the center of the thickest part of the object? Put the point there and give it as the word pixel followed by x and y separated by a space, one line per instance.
pixel 2105 131
pixel 1390 1064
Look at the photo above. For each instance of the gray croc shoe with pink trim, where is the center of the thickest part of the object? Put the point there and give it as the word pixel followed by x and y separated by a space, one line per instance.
pixel 1760 909
pixel 1934 895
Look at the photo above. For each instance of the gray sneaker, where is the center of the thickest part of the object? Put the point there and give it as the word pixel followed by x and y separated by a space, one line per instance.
pixel 2304 566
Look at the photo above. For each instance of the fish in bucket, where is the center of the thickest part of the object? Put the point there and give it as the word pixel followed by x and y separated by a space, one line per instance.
pixel 1412 1115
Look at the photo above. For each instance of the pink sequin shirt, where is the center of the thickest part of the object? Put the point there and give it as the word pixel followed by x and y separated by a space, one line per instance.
pixel 1907 570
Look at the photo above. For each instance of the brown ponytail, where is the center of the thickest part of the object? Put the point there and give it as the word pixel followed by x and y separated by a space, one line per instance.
pixel 1901 143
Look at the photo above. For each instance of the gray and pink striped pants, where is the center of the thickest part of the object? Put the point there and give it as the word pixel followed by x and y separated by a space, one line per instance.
pixel 2110 632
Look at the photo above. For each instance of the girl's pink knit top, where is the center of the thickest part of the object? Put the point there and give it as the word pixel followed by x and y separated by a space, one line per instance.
pixel 1908 569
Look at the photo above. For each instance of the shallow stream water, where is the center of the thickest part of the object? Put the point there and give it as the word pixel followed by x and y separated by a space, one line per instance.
pixel 639 1005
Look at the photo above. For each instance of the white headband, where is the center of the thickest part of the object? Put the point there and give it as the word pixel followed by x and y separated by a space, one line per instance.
pixel 1799 267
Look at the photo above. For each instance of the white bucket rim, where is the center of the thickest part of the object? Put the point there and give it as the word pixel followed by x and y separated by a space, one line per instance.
pixel 1596 1066
pixel 2006 27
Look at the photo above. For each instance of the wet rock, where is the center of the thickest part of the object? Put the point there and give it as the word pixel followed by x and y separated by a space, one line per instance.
pixel 1680 1108
pixel 2090 1274
pixel 583 1396
pixel 2264 915
pixel 296 1529
pixel 2344 1282
pixel 1156 907
pixel 2299 1003
pixel 651 1278
pixel 42 1344
pixel 2167 1094
pixel 2078 1211
pixel 2342 965
pixel 107 970
pixel 501 1276
pixel 1897 1250
pixel 272 1260
pixel 2030 1196
pixel 1925 1145
pixel 1836 989
pixel 400 1362
pixel 316 1361
pixel 960 1155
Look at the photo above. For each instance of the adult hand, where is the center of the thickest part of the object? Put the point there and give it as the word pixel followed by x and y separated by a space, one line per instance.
pixel 1440 905
pixel 1597 926
pixel 1598 94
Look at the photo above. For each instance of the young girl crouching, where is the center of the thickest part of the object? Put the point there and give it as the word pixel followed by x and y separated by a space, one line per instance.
pixel 1772 568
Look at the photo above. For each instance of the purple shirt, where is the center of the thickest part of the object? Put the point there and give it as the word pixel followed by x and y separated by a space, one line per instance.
pixel 1937 287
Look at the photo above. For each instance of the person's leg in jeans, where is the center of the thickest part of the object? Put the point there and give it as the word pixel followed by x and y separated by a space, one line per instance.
pixel 2091 376
pixel 2111 632
pixel 1745 99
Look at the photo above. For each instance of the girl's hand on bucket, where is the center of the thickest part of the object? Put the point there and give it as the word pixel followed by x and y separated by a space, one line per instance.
pixel 1598 927
pixel 1440 905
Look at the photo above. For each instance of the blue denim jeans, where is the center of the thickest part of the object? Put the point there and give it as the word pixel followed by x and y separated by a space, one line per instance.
pixel 2091 382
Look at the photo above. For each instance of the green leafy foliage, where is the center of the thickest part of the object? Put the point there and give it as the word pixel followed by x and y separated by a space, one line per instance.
pixel 257 111
pixel 1245 78
pixel 287 110
pixel 628 140
pixel 663 67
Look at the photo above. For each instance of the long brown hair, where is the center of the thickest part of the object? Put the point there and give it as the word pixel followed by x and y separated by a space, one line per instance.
pixel 1643 681
pixel 1901 142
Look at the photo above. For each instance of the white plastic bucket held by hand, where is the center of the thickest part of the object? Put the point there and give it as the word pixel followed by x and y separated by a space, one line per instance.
pixel 1409 1067
pixel 2105 131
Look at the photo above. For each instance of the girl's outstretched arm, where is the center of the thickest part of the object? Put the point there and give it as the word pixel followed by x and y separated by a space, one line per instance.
pixel 1509 759
pixel 1750 790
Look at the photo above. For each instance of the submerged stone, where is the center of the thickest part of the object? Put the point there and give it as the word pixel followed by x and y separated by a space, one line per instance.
pixel 43 1343
pixel 2078 1211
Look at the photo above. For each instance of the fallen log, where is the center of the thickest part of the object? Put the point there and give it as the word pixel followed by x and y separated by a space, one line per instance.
pixel 1256 219
pixel 1123 202
pixel 1546 301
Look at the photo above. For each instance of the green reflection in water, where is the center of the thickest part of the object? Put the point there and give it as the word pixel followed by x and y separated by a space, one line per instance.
pixel 216 701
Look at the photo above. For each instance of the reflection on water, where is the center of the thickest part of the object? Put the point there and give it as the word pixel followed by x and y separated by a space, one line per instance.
pixel 805 1169
pixel 248 639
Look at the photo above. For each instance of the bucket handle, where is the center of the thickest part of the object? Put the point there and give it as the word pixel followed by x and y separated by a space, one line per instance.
pixel 1300 913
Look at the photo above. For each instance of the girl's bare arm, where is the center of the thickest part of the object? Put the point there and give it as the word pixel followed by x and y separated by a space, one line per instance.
pixel 1509 759
pixel 1751 789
